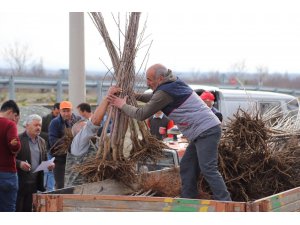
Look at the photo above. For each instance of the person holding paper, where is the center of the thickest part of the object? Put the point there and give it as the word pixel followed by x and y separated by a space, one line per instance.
pixel 33 152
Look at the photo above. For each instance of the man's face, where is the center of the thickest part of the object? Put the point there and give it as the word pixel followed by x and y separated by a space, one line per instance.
pixel 209 103
pixel 66 114
pixel 152 80
pixel 13 116
pixel 55 112
pixel 34 128
pixel 82 113
pixel 17 118
pixel 158 114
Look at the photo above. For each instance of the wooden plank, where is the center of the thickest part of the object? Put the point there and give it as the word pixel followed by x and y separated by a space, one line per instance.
pixel 292 207
pixel 284 200
pixel 65 202
pixel 39 203
pixel 109 205
pixel 53 203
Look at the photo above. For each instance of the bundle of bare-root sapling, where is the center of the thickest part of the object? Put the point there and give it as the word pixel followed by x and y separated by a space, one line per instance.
pixel 117 156
pixel 256 158
pixel 63 144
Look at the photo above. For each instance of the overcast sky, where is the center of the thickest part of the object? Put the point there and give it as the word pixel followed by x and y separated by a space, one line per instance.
pixel 206 37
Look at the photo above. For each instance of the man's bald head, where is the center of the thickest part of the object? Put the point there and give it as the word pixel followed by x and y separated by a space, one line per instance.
pixel 157 70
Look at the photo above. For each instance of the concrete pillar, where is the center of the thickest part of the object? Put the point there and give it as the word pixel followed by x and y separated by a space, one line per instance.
pixel 77 86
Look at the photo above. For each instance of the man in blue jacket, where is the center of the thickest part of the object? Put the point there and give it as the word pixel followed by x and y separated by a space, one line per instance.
pixel 193 118
pixel 57 127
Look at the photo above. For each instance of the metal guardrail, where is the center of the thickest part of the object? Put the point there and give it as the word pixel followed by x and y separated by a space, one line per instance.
pixel 60 85
pixel 101 87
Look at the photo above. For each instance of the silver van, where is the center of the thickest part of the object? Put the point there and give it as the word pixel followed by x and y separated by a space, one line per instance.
pixel 228 101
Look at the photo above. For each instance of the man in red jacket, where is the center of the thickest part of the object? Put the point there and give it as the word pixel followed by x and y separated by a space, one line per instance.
pixel 9 147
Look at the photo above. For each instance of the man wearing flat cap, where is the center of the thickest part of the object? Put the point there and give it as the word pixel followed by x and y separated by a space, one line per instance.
pixel 57 128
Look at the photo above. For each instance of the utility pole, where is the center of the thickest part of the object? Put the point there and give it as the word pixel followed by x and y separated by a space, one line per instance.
pixel 77 81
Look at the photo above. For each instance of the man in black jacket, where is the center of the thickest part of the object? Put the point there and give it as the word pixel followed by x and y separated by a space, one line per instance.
pixel 46 121
pixel 33 152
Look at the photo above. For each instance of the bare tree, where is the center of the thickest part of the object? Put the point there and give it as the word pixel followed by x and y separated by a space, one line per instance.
pixel 239 71
pixel 17 55
pixel 37 69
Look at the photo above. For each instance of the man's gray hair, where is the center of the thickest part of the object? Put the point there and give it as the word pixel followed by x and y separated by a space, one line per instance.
pixel 33 117
pixel 165 73
pixel 161 71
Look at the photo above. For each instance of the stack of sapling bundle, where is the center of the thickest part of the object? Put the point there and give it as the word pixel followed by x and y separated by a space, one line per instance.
pixel 110 161
pixel 258 156
pixel 285 141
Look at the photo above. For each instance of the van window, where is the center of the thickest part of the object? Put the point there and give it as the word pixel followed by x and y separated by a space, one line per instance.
pixel 267 106
pixel 293 107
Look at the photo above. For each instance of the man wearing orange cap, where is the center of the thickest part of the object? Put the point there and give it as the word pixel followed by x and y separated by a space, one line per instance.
pixel 66 119
pixel 209 99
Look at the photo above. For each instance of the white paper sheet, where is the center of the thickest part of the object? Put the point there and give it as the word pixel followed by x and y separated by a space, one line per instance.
pixel 44 165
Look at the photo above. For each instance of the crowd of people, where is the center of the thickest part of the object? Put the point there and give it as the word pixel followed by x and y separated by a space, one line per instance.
pixel 171 103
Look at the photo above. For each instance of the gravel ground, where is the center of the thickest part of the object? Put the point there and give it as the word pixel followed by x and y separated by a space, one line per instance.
pixel 28 110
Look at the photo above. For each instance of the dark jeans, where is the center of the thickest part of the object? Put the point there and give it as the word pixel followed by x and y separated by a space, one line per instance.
pixel 8 191
pixel 24 199
pixel 201 155
pixel 59 171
